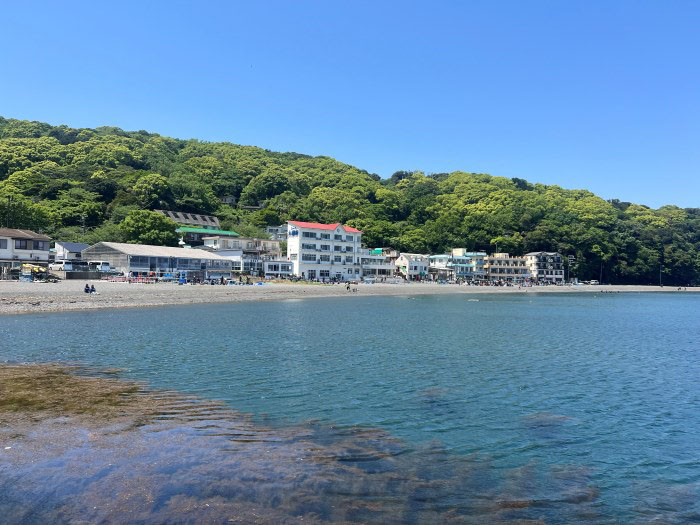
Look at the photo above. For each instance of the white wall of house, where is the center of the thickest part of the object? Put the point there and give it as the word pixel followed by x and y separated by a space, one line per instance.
pixel 413 266
pixel 324 253
pixel 15 252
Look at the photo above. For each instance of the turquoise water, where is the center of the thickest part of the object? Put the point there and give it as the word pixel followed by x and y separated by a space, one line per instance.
pixel 605 385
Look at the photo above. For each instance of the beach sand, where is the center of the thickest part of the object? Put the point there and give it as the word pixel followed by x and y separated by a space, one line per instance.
pixel 24 297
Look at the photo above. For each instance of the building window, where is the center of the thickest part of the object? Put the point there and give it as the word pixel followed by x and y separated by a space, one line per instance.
pixel 325 247
pixel 338 237
pixel 349 238
pixel 308 246
pixel 348 259
pixel 3 244
pixel 348 248
pixel 350 271
pixel 326 236
pixel 293 257
pixel 20 244
pixel 325 273
pixel 337 248
pixel 308 257
pixel 338 258
pixel 308 235
pixel 325 258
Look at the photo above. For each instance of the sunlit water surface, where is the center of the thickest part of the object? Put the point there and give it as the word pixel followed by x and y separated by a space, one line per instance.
pixel 538 390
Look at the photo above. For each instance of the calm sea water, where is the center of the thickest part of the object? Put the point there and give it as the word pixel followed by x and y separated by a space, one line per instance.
pixel 603 385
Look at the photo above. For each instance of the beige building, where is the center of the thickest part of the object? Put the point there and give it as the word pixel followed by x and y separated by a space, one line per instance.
pixel 506 267
pixel 546 267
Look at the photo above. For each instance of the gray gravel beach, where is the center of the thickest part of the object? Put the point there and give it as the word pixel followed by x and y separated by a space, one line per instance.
pixel 24 297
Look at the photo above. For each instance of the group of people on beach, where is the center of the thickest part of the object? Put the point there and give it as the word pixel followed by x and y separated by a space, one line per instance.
pixel 90 288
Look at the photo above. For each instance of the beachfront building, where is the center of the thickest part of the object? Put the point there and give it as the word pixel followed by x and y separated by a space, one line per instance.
pixel 375 265
pixel 68 251
pixel 468 265
pixel 545 267
pixel 324 251
pixel 278 269
pixel 142 260
pixel 19 247
pixel 503 267
pixel 413 266
pixel 441 268
pixel 247 254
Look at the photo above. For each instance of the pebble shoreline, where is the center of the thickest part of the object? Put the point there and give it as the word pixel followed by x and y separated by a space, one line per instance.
pixel 23 297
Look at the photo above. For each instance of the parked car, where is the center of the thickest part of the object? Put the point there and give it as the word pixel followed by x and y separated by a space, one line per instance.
pixel 99 266
pixel 61 266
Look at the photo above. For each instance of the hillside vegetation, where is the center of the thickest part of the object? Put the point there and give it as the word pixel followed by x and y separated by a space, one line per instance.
pixel 93 184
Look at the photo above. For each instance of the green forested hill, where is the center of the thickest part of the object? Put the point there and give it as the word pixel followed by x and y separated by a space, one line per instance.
pixel 89 185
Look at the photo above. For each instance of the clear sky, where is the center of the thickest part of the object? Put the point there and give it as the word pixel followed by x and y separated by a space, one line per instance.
pixel 585 94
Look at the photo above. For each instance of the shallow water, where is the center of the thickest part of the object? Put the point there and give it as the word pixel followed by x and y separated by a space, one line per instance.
pixel 562 407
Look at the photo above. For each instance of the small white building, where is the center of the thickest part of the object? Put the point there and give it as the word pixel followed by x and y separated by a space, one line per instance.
pixel 413 266
pixel 324 251
pixel 69 251
pixel 19 247
pixel 546 267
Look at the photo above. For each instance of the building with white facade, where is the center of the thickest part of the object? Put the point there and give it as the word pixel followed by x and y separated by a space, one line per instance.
pixel 324 251
pixel 413 266
pixel 278 269
pixel 69 251
pixel 507 268
pixel 247 254
pixel 545 267
pixel 19 247
pixel 375 264
pixel 441 268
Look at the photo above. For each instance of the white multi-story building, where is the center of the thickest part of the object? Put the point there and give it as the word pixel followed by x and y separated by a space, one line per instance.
pixel 375 264
pixel 324 251
pixel 546 267
pixel 247 254
pixel 413 266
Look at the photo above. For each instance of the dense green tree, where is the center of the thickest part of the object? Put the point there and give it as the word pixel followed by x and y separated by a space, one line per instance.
pixel 149 227
pixel 89 184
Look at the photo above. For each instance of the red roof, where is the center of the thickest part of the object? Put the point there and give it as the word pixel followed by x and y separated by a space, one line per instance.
pixel 319 226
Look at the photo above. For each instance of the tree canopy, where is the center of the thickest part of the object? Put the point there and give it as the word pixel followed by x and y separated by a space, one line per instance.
pixel 88 185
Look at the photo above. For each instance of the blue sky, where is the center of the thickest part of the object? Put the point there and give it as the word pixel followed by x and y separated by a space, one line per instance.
pixel 584 94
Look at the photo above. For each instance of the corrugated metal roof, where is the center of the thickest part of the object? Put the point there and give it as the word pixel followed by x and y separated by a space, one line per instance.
pixel 161 251
pixel 207 230
pixel 23 234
